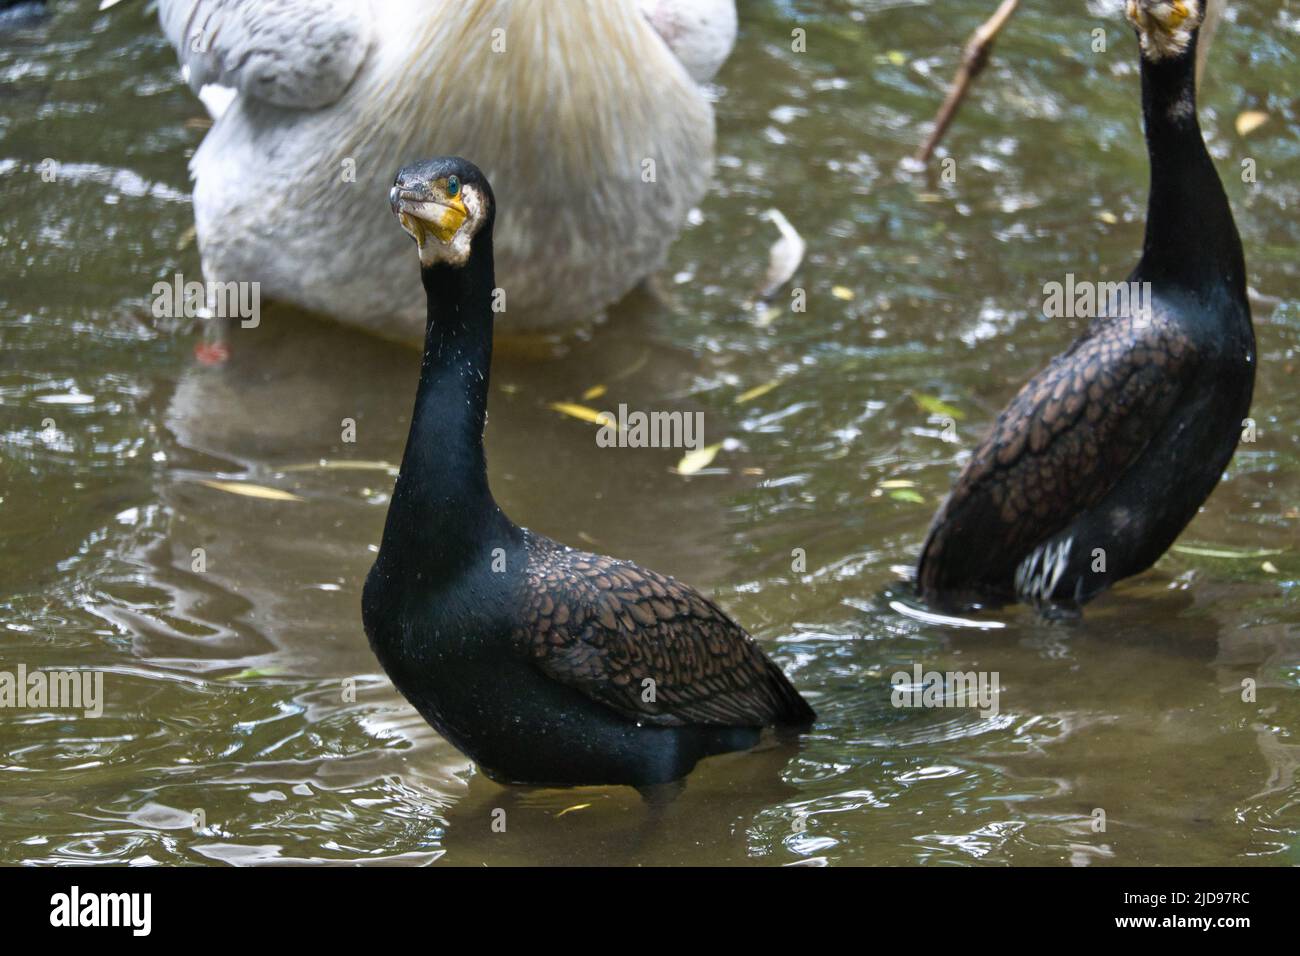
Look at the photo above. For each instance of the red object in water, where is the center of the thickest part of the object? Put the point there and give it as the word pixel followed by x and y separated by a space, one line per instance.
pixel 211 353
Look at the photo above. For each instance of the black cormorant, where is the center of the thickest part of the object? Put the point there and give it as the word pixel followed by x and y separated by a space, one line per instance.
pixel 1100 461
pixel 544 664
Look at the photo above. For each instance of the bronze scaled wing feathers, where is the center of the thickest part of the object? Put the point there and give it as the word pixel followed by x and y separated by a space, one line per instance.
pixel 648 646
pixel 1055 451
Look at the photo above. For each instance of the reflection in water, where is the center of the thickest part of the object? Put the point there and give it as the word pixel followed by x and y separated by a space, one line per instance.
pixel 280 414
pixel 615 826
pixel 246 720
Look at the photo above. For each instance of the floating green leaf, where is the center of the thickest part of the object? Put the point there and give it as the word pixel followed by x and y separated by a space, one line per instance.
pixel 252 673
pixel 907 494
pixel 757 391
pixel 935 406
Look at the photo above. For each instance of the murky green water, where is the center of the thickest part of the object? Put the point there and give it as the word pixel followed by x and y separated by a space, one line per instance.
pixel 224 685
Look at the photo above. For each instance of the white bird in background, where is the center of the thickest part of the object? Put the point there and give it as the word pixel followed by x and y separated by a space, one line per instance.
pixel 588 115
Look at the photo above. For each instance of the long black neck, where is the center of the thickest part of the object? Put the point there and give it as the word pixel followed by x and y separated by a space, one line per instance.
pixel 442 515
pixel 1191 238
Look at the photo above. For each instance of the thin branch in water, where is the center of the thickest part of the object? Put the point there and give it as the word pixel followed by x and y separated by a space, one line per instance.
pixel 974 58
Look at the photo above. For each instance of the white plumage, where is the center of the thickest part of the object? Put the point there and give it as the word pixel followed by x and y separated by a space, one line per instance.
pixel 596 136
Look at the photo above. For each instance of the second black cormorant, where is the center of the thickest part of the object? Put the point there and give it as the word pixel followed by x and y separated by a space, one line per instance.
pixel 544 664
pixel 1098 464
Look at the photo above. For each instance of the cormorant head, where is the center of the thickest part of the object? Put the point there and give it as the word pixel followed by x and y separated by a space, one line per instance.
pixel 1165 27
pixel 443 204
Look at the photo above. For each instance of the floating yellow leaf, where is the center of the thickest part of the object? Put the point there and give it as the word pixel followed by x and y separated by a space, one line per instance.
pixel 583 413
pixel 898 483
pixel 594 392
pixel 576 806
pixel 1249 121
pixel 842 292
pixel 1108 217
pixel 906 494
pixel 249 490
pixel 934 406
pixel 1224 552
pixel 757 391
pixel 1268 567
pixel 698 459
pixel 896 57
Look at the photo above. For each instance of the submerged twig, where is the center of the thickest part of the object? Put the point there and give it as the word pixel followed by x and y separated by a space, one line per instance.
pixel 974 58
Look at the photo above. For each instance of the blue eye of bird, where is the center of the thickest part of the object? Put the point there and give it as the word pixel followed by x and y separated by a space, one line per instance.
pixel 453 186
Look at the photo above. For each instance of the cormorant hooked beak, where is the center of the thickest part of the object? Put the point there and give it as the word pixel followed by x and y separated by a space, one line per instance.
pixel 426 209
